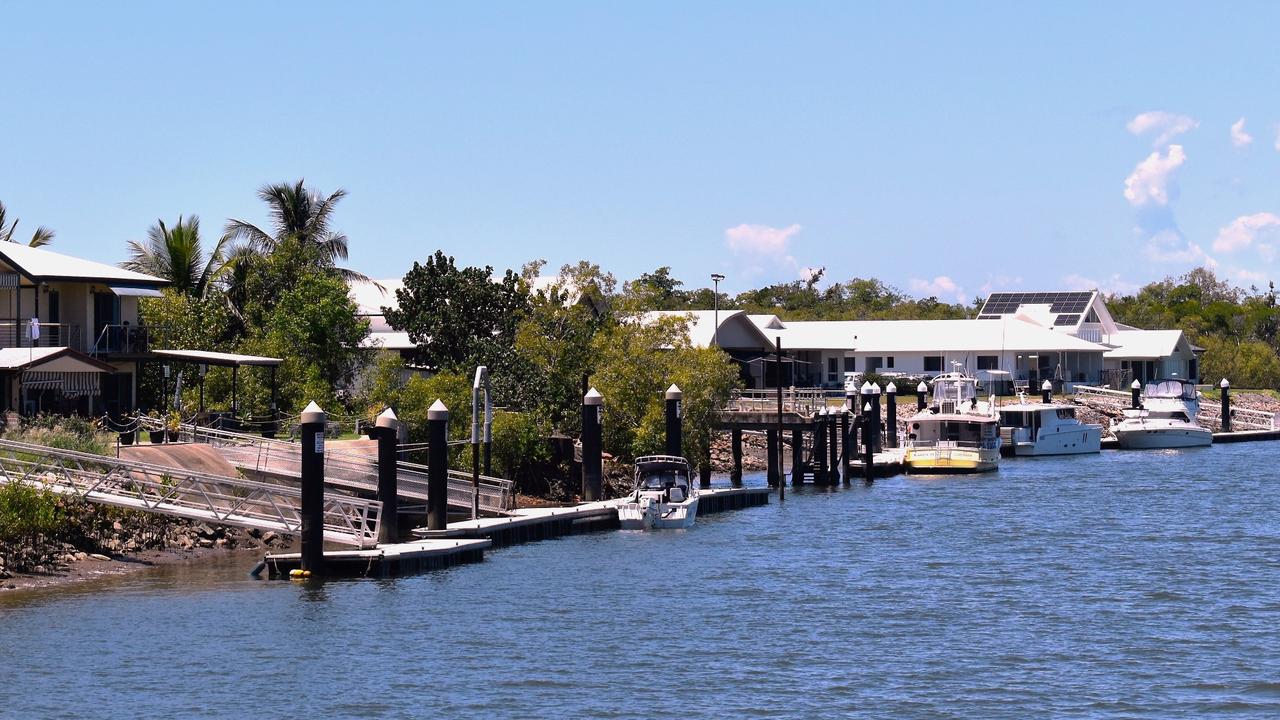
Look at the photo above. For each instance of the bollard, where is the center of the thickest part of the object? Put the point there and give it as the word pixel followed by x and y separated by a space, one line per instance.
pixel 773 456
pixel 388 434
pixel 437 466
pixel 868 445
pixel 735 475
pixel 592 445
pixel 1135 391
pixel 1226 405
pixel 844 445
pixel 833 448
pixel 312 431
pixel 891 416
pixel 675 440
pixel 1046 392
pixel 922 393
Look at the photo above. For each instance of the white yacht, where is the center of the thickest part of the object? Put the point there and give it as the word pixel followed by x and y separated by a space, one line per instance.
pixel 1166 419
pixel 956 433
pixel 663 497
pixel 1039 428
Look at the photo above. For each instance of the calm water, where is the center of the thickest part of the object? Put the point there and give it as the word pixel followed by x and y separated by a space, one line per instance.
pixel 1126 584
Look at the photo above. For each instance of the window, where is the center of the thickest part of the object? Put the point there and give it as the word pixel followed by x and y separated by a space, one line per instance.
pixel 988 362
pixel 850 364
pixel 874 363
pixel 1193 371
pixel 833 366
pixel 933 363
pixel 888 362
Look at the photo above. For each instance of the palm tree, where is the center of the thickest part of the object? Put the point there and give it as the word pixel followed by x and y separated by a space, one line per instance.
pixel 177 255
pixel 301 215
pixel 41 237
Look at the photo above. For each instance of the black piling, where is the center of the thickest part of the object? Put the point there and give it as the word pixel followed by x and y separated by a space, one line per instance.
pixel 1046 392
pixel 675 439
pixel 868 444
pixel 922 394
pixel 797 455
pixel 891 416
pixel 704 466
pixel 844 444
pixel 1226 405
pixel 875 413
pixel 818 459
pixel 735 475
pixel 833 448
pixel 438 466
pixel 774 472
pixel 387 428
pixel 592 444
pixel 312 431
pixel 1135 395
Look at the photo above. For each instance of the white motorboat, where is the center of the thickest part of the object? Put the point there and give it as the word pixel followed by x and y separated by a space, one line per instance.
pixel 1033 429
pixel 663 497
pixel 1166 419
pixel 957 433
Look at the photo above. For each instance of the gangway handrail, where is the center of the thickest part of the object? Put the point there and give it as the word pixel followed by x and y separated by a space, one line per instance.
pixel 185 493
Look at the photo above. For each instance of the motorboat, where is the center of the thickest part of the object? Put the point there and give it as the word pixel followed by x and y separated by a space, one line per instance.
pixel 663 497
pixel 1165 419
pixel 1039 428
pixel 956 432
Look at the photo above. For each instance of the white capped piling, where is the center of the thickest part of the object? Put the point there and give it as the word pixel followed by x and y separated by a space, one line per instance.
pixel 868 443
pixel 833 447
pixel 437 466
pixel 1046 392
pixel 875 415
pixel 891 415
pixel 818 459
pixel 1225 387
pixel 675 437
pixel 387 429
pixel 845 444
pixel 922 392
pixel 312 431
pixel 1135 395
pixel 592 444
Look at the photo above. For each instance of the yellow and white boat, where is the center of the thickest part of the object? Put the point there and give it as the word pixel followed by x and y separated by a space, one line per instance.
pixel 956 433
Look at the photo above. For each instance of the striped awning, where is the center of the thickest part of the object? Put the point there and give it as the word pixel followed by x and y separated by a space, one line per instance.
pixel 9 280
pixel 72 384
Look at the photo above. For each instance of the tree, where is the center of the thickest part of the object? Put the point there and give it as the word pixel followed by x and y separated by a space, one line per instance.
pixel 301 215
pixel 41 237
pixel 177 255
pixel 555 340
pixel 458 316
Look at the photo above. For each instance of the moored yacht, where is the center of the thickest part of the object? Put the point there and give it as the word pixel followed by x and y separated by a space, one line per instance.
pixel 663 497
pixel 1166 419
pixel 956 433
pixel 1046 428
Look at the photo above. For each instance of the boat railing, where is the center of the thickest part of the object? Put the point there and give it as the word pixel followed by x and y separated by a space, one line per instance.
pixel 988 444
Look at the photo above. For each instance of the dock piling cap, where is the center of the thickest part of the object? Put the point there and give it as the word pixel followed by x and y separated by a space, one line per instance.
pixel 674 392
pixel 387 419
pixel 1046 385
pixel 891 389
pixel 1224 384
pixel 438 411
pixel 922 387
pixel 593 397
pixel 866 388
pixel 1136 385
pixel 313 414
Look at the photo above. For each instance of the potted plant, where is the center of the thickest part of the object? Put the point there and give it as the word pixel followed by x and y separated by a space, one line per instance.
pixel 127 436
pixel 156 436
pixel 172 424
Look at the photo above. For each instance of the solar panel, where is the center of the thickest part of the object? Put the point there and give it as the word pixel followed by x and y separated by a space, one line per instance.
pixel 1067 320
pixel 1007 303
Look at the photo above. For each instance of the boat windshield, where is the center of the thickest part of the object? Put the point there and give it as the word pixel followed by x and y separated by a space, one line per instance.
pixel 954 388
pixel 661 479
pixel 1177 389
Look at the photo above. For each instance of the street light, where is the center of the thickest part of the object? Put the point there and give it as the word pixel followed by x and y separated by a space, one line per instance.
pixel 715 334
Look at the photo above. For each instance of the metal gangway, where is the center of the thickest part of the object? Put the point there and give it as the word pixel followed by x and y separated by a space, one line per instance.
pixel 181 493
pixel 1210 412
pixel 802 401
pixel 351 471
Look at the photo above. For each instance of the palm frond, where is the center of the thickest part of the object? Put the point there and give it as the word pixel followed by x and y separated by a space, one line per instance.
pixel 41 237
pixel 252 235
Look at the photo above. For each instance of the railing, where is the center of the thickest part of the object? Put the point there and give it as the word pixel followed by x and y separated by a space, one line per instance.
pixel 126 338
pixel 17 333
pixel 804 401
pixel 1103 395
pixel 1241 418
pixel 351 470
pixel 182 493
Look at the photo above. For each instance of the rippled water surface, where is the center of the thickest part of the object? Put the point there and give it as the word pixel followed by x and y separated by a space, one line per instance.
pixel 1126 584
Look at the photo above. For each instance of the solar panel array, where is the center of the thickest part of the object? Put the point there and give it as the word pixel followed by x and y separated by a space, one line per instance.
pixel 1060 303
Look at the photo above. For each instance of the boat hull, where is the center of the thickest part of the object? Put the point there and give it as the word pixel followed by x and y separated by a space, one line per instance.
pixel 1072 442
pixel 1163 439
pixel 657 515
pixel 950 460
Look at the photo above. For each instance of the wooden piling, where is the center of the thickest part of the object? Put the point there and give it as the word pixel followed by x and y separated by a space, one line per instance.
pixel 845 429
pixel 833 448
pixel 891 416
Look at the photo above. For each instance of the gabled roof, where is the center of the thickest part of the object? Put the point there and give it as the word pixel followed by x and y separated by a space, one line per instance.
pixel 52 359
pixel 38 264
pixel 1144 344
pixel 370 299
pixel 702 328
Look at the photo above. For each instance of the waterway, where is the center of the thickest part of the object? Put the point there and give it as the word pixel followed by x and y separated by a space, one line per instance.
pixel 1119 585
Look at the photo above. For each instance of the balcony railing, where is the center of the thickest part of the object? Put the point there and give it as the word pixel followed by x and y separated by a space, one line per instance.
pixel 15 332
pixel 127 339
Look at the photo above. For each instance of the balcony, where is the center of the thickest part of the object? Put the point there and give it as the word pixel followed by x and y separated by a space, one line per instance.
pixel 126 339
pixel 14 332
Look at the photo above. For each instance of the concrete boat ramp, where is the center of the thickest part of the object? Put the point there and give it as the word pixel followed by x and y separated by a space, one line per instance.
pixel 466 540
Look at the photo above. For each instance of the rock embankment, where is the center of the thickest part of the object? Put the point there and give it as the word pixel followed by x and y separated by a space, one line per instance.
pixel 754 452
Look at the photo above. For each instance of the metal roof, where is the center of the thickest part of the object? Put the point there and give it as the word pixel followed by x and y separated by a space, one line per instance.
pixel 38 264
pixel 19 358
pixel 219 358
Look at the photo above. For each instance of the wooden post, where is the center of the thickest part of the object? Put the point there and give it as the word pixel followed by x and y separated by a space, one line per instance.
pixel 675 436
pixel 819 456
pixel 592 442
pixel 1226 405
pixel 891 416
pixel 868 445
pixel 312 429
pixel 735 475
pixel 438 466
pixel 387 427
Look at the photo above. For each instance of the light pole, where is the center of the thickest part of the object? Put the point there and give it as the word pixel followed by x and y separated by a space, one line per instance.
pixel 716 278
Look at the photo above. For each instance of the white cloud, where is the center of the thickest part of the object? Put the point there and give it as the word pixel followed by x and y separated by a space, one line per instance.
pixel 940 286
pixel 1244 230
pixel 1109 285
pixel 1149 182
pixel 1247 276
pixel 1168 125
pixel 1239 137
pixel 1169 246
pixel 996 283
pixel 760 240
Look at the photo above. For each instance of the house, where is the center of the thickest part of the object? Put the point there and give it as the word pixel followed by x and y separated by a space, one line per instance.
pixel 1065 337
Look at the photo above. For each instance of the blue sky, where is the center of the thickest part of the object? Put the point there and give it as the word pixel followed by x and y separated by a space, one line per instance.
pixel 944 148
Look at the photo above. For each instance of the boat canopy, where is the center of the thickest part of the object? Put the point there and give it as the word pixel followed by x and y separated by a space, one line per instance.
pixel 1174 388
pixel 954 387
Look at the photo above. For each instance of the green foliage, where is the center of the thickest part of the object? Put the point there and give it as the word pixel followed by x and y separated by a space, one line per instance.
pixel 69 433
pixel 177 255
pixel 1251 364
pixel 520 447
pixel 555 340
pixel 418 394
